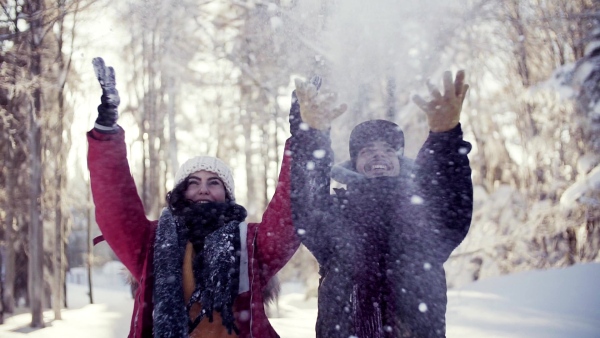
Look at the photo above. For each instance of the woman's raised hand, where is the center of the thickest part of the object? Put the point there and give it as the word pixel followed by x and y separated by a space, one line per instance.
pixel 110 100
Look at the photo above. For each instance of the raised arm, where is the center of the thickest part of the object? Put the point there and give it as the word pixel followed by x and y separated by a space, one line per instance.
pixel 444 174
pixel 445 181
pixel 119 210
pixel 287 219
pixel 312 206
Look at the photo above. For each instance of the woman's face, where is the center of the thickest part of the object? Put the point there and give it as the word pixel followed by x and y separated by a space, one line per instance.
pixel 205 186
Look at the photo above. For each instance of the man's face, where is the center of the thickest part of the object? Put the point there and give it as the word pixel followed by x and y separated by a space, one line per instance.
pixel 376 159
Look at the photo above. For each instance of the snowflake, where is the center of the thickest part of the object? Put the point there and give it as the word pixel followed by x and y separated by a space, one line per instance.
pixel 319 153
pixel 417 200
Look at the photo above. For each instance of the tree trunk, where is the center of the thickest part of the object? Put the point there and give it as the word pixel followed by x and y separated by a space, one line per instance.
pixel 391 98
pixel 59 245
pixel 57 254
pixel 36 231
pixel 34 10
pixel 8 297
pixel 250 173
pixel 172 127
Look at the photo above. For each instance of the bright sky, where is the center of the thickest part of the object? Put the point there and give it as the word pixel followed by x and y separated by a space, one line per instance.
pixel 100 35
pixel 97 36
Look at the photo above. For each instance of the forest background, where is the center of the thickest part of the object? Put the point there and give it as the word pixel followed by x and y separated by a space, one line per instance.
pixel 215 77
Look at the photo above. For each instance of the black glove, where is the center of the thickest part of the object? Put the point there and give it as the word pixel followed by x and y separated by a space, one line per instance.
pixel 108 109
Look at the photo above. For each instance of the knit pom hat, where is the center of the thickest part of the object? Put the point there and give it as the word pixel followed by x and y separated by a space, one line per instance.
pixel 375 130
pixel 207 163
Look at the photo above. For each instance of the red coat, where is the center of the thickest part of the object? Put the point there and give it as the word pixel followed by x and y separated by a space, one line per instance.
pixel 123 223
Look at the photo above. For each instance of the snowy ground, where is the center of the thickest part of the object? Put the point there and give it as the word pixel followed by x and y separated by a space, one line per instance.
pixel 535 304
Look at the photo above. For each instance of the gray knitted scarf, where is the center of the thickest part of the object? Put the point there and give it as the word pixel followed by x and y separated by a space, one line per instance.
pixel 216 269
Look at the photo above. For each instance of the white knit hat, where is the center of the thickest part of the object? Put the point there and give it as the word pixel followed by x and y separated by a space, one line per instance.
pixel 207 163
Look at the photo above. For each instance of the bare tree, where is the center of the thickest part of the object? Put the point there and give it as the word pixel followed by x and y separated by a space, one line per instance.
pixel 33 11
pixel 528 140
pixel 35 105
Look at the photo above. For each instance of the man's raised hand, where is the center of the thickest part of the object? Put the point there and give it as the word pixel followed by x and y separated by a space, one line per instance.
pixel 317 109
pixel 443 111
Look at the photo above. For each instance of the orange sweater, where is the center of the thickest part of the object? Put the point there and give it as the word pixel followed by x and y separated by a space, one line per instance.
pixel 205 329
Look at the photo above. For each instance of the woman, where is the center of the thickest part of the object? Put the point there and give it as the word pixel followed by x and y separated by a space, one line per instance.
pixel 201 269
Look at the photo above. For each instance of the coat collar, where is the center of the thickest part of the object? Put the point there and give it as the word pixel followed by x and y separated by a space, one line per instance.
pixel 344 172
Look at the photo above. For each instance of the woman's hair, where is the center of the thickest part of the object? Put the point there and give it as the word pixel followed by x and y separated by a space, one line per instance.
pixel 176 198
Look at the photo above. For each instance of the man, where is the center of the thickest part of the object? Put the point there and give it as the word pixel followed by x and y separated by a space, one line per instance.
pixel 382 241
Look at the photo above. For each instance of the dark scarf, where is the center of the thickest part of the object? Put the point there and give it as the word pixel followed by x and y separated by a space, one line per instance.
pixel 373 199
pixel 215 235
pixel 214 228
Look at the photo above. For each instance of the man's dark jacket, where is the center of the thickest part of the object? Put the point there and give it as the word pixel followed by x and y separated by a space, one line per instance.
pixel 381 242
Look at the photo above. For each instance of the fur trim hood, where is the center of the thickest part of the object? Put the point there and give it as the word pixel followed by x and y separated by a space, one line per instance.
pixel 344 172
